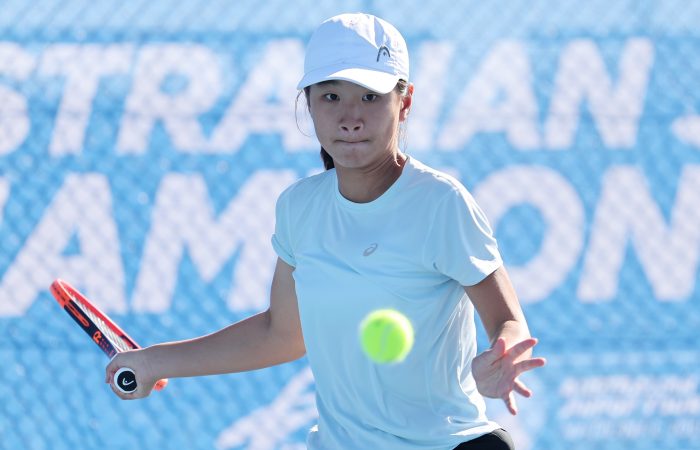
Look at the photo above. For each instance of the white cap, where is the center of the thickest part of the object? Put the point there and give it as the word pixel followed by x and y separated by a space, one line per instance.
pixel 359 48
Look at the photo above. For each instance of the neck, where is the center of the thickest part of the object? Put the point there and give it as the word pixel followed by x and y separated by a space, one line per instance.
pixel 368 184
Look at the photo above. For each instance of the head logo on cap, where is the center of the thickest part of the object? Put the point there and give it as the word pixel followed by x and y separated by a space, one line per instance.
pixel 359 48
pixel 383 50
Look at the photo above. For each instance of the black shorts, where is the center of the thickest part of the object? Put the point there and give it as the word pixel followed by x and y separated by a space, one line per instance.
pixel 496 440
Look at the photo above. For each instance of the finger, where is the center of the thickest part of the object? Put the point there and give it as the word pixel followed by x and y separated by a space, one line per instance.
pixel 528 364
pixel 522 347
pixel 509 399
pixel 118 393
pixel 126 395
pixel 521 389
pixel 494 353
pixel 499 347
pixel 110 370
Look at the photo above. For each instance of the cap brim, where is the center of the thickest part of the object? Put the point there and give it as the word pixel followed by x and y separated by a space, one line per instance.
pixel 376 81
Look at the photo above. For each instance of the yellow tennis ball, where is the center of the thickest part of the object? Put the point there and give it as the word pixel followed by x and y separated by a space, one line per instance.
pixel 386 336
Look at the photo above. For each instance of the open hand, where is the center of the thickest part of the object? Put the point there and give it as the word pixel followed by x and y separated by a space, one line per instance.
pixel 496 371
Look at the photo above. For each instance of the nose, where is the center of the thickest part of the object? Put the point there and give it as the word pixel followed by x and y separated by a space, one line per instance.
pixel 351 121
pixel 351 127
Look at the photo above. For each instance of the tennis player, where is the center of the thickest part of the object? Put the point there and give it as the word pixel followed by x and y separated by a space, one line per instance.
pixel 377 229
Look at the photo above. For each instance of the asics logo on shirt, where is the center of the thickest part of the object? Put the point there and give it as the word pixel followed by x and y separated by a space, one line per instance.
pixel 371 249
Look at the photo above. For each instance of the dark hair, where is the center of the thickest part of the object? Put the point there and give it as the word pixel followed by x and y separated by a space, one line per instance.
pixel 401 87
pixel 327 159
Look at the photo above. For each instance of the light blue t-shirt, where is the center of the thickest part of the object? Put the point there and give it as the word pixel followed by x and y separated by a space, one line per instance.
pixel 412 249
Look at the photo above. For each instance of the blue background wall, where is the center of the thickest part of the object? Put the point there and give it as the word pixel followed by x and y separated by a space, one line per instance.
pixel 143 145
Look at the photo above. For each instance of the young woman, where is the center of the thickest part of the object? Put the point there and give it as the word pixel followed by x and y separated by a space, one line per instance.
pixel 378 229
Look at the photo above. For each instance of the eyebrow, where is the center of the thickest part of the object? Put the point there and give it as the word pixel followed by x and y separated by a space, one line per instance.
pixel 325 83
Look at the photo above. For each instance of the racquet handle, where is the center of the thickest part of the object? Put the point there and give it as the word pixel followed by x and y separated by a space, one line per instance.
pixel 125 381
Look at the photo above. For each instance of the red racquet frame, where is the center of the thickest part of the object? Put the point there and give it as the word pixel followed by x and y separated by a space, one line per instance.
pixel 108 336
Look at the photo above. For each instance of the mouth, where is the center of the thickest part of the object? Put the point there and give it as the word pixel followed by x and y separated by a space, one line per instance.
pixel 353 141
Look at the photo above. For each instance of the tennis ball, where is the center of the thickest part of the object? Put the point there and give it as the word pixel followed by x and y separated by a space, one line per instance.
pixel 386 336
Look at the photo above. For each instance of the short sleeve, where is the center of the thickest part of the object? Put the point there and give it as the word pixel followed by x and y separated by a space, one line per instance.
pixel 281 239
pixel 460 243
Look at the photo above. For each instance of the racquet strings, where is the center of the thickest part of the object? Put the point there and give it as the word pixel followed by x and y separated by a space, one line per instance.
pixel 117 341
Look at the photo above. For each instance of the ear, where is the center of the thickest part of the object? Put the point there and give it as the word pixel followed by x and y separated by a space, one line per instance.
pixel 406 102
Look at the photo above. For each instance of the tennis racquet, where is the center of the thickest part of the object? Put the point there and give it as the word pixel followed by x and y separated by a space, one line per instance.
pixel 104 332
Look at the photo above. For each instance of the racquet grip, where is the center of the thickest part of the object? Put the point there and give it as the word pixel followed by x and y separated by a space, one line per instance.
pixel 125 380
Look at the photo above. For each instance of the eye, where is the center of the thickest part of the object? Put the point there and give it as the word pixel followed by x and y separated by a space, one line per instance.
pixel 330 97
pixel 370 97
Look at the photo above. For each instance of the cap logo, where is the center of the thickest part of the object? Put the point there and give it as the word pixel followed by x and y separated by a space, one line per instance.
pixel 383 50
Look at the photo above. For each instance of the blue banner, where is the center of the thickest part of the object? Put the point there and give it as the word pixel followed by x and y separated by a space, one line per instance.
pixel 143 146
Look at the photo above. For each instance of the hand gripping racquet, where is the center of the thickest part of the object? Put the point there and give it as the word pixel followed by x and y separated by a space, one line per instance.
pixel 108 336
